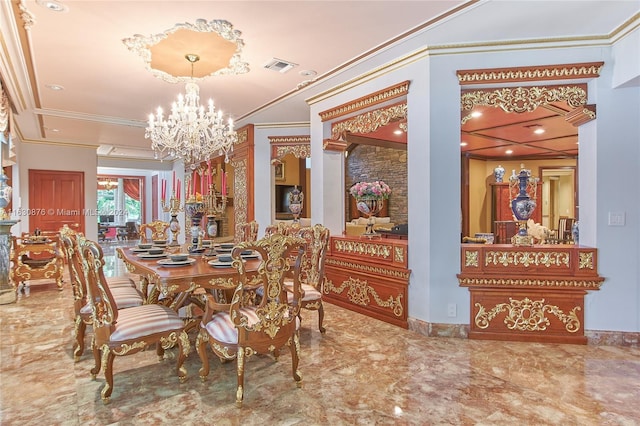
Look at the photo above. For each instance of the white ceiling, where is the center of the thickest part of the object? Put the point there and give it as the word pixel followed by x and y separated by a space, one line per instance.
pixel 108 93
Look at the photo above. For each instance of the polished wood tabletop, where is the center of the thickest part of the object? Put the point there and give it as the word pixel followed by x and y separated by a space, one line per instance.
pixel 184 278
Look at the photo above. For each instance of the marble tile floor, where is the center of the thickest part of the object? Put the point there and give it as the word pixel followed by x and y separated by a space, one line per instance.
pixel 362 372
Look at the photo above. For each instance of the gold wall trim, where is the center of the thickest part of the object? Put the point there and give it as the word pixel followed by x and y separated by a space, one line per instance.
pixel 384 95
pixel 527 315
pixel 369 121
pixel 392 273
pixel 520 74
pixel 298 146
pixel 585 260
pixel 240 195
pixel 361 248
pixel 527 258
pixel 523 99
pixel 530 282
pixel 471 258
pixel 358 292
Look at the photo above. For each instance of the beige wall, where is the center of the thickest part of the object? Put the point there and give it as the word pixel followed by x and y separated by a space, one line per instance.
pixel 481 175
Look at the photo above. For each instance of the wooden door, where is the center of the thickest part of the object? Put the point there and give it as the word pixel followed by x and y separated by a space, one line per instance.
pixel 56 198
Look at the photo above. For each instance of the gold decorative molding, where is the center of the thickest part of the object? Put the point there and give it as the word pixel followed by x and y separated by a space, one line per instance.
pixel 358 293
pixel 391 273
pixel 240 194
pixel 298 146
pixel 527 315
pixel 398 254
pixel 538 73
pixel 579 116
pixel 375 98
pixel 369 121
pixel 531 282
pixel 527 258
pixel 523 99
pixel 243 135
pixel 585 260
pixel 471 258
pixel 362 248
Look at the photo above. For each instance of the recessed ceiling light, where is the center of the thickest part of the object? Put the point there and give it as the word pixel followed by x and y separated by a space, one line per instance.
pixel 308 73
pixel 52 5
pixel 538 131
pixel 509 152
pixel 476 114
pixel 397 132
pixel 54 87
pixel 463 144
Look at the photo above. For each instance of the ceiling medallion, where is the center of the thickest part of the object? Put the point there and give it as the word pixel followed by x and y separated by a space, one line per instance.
pixel 215 40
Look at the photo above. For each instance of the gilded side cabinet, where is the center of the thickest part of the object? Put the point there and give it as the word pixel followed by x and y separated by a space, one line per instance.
pixel 369 276
pixel 528 293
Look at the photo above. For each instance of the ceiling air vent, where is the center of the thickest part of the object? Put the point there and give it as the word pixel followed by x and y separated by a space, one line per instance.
pixel 279 65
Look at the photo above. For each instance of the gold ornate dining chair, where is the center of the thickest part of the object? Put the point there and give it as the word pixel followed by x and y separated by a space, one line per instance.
pixel 36 258
pixel 247 231
pixel 123 289
pixel 312 270
pixel 154 231
pixel 243 329
pixel 126 331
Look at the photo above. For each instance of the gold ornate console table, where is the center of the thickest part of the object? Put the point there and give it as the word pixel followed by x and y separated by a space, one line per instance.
pixel 369 276
pixel 528 293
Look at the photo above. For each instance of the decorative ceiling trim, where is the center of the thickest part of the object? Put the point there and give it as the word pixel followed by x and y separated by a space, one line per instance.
pixel 523 99
pixel 375 98
pixel 141 46
pixel 579 116
pixel 538 73
pixel 369 121
pixel 298 146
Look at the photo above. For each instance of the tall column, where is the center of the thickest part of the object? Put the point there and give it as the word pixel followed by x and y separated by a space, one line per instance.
pixel 7 291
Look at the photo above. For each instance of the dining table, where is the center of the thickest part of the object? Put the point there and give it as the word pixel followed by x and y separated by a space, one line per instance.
pixel 174 283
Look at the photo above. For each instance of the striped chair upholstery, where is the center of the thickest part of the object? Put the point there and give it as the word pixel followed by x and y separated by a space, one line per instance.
pixel 312 270
pixel 244 329
pixel 126 331
pixel 123 290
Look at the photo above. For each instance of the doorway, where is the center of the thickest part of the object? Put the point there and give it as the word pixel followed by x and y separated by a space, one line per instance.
pixel 559 194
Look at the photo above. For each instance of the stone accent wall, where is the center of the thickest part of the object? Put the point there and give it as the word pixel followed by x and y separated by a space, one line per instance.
pixel 371 163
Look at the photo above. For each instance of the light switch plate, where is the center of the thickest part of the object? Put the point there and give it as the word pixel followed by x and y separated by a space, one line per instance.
pixel 616 218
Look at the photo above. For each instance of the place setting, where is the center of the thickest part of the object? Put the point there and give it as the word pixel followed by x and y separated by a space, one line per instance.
pixel 177 259
pixel 222 261
pixel 141 248
pixel 153 253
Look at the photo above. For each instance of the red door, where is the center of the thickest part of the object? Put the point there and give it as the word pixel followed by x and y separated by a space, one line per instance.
pixel 56 198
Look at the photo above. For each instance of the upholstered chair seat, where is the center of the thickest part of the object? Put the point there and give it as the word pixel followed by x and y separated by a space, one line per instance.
pixel 122 332
pixel 125 297
pixel 246 328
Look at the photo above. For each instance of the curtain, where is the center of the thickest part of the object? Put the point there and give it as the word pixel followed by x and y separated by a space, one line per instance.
pixel 132 188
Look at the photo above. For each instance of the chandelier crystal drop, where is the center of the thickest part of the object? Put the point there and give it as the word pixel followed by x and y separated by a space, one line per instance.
pixel 191 132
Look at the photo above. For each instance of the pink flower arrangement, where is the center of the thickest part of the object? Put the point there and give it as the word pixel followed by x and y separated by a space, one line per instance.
pixel 377 189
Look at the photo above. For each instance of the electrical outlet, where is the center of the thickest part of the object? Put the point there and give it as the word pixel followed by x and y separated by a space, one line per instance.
pixel 451 310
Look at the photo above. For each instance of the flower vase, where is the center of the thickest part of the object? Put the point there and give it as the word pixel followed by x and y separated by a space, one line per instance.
pixel 370 206
pixel 498 173
pixel 194 212
pixel 212 226
pixel 296 198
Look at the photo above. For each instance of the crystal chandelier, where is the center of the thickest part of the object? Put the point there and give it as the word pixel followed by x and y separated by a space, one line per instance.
pixel 191 132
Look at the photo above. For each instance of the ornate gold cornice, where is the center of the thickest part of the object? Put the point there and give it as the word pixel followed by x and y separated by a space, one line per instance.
pixel 334 145
pixel 369 121
pixel 539 73
pixel 527 258
pixel 298 146
pixel 582 115
pixel 524 99
pixel 589 284
pixel 375 98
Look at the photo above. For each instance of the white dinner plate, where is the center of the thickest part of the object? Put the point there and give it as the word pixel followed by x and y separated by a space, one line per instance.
pixel 217 264
pixel 152 256
pixel 139 250
pixel 169 262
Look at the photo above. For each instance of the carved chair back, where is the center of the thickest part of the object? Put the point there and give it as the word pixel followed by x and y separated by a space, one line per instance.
pixel 156 230
pixel 247 231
